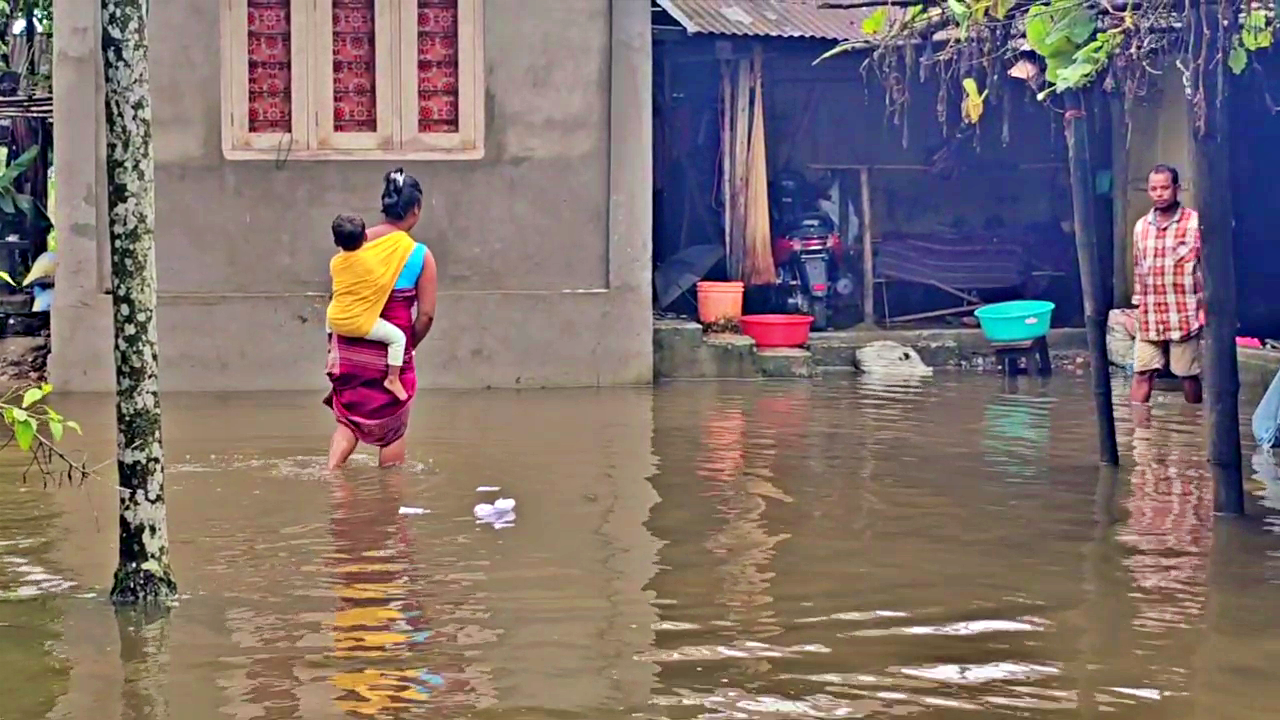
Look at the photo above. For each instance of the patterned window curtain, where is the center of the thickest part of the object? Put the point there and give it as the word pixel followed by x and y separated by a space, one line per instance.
pixel 437 66
pixel 270 63
pixel 355 99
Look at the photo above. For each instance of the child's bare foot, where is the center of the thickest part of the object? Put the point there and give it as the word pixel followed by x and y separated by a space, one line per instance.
pixel 393 384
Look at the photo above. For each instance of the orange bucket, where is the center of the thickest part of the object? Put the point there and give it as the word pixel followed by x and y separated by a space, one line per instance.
pixel 719 301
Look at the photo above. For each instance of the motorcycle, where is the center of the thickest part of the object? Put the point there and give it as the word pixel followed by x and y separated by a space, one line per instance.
pixel 807 253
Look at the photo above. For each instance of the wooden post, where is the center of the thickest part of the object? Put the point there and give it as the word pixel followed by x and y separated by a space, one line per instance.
pixel 868 263
pixel 1096 304
pixel 1209 165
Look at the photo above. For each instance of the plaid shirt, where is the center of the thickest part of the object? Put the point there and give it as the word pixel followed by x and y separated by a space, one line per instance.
pixel 1168 289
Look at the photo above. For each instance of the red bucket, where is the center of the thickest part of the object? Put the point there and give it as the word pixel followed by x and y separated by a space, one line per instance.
pixel 777 331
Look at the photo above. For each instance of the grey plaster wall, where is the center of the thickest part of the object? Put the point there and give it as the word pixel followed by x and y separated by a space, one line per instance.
pixel 543 246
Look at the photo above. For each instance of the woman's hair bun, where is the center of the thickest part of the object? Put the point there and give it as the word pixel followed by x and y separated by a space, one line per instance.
pixel 401 194
pixel 392 184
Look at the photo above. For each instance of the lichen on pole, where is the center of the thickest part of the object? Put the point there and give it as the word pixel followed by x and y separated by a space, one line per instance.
pixel 143 575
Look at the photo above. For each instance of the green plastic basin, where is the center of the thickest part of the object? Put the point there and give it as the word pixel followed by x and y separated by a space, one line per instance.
pixel 1015 321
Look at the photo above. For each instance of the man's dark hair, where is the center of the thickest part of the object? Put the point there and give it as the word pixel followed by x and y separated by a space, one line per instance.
pixel 1169 170
pixel 348 232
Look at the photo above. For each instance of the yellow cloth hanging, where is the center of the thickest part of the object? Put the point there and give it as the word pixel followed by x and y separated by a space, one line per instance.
pixel 363 280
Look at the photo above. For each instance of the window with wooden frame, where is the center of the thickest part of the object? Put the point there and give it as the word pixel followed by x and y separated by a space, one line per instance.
pixel 353 79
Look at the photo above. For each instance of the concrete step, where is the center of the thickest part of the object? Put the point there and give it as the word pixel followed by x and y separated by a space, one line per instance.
pixel 682 351
pixel 955 348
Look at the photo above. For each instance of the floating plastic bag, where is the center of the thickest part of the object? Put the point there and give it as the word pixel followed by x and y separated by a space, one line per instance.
pixel 501 514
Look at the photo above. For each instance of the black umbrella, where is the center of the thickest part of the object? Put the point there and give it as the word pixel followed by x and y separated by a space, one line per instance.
pixel 683 270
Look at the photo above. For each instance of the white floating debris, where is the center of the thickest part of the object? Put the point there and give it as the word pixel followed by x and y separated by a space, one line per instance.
pixel 501 514
pixel 413 511
pixel 488 488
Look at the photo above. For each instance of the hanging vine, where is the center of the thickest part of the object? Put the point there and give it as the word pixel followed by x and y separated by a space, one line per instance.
pixel 1055 46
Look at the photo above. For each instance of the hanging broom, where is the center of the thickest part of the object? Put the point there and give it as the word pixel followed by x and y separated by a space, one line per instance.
pixel 757 267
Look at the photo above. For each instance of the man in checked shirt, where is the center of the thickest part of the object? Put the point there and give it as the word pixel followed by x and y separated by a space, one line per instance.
pixel 1168 290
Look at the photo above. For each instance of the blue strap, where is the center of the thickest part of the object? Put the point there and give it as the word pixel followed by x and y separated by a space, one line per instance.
pixel 412 268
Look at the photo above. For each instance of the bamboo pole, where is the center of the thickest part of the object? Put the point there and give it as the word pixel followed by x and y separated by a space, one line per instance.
pixel 1210 168
pixel 726 153
pixel 868 263
pixel 741 133
pixel 1096 304
pixel 757 249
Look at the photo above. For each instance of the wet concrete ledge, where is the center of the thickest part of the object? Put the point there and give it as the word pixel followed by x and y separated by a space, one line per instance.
pixel 681 350
pixel 1257 368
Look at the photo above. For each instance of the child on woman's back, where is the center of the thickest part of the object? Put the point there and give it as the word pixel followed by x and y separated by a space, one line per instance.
pixel 351 303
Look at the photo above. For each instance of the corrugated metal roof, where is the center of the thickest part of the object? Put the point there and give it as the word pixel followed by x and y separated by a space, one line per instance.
pixel 767 18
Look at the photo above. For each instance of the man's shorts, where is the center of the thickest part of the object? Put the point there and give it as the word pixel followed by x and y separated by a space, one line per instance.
pixel 1184 356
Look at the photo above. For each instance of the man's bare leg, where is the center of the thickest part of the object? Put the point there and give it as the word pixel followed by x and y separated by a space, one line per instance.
pixel 1143 384
pixel 1192 390
pixel 341 446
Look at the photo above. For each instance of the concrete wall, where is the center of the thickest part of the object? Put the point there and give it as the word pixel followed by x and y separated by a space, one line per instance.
pixel 543 246
pixel 1158 132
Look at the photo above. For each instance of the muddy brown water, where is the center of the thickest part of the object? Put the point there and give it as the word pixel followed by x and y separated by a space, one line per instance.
pixel 841 549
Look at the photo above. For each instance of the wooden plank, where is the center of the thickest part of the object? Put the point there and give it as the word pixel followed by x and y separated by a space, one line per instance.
pixel 868 263
pixel 931 314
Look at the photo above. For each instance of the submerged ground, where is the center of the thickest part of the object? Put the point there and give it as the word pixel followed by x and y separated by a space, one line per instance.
pixel 840 549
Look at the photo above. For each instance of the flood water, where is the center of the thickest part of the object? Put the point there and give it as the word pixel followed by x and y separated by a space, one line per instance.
pixel 840 549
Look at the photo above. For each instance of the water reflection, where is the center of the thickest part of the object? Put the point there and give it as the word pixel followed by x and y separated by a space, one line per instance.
pixel 1170 525
pixel 382 624
pixel 837 549
pixel 1016 437
pixel 144 658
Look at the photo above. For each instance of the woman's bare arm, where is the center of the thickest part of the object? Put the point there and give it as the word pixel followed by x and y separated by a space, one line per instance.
pixel 426 315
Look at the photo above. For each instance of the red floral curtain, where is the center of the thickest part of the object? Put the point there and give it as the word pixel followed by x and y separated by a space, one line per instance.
pixel 437 66
pixel 270 86
pixel 355 99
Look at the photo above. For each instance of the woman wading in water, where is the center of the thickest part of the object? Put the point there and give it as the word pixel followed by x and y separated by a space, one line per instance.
pixel 365 409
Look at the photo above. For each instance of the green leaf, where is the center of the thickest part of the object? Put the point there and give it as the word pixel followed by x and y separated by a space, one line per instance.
pixel 958 9
pixel 25 204
pixel 874 23
pixel 1038 26
pixel 1256 32
pixel 25 432
pixel 1077 26
pixel 46 388
pixel 7 278
pixel 913 12
pixel 1075 75
pixel 20 415
pixel 843 47
pixel 32 396
pixel 1238 60
pixel 55 429
pixel 1000 8
pixel 19 166
pixel 74 426
pixel 6 203
pixel 1053 64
